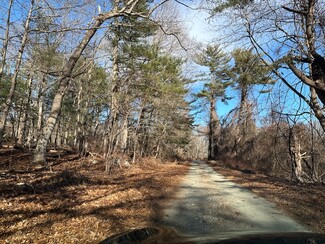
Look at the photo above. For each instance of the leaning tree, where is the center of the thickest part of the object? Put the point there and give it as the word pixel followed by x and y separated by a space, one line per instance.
pixel 120 8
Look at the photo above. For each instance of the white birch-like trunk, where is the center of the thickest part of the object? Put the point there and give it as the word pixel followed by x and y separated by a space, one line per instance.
pixel 297 159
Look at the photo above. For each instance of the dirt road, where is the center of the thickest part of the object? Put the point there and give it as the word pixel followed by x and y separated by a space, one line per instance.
pixel 208 203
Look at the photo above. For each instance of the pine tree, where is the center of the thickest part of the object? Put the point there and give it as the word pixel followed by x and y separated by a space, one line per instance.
pixel 127 40
pixel 218 63
pixel 248 70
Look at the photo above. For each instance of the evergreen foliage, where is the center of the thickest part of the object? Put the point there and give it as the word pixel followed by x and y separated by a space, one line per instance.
pixel 221 5
pixel 249 69
pixel 218 64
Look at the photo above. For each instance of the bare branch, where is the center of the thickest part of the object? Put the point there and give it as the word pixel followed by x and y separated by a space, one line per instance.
pixel 305 79
pixel 294 10
pixel 170 34
pixel 302 59
pixel 185 5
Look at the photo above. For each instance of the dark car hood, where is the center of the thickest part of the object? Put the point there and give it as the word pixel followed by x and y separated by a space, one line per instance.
pixel 163 234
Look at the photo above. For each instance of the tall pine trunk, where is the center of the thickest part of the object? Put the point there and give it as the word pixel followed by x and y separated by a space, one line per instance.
pixel 113 119
pixel 214 125
pixel 243 113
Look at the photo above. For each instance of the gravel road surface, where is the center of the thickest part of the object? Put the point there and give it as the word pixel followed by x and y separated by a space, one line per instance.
pixel 208 203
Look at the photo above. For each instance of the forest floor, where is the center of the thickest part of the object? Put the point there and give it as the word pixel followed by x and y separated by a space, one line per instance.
pixel 303 202
pixel 75 201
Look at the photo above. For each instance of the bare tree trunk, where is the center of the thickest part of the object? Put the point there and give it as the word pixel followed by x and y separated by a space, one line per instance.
pixel 244 114
pixel 63 82
pixel 40 151
pixel 80 131
pixel 214 124
pixel 124 133
pixel 40 104
pixel 316 108
pixel 58 137
pixel 5 42
pixel 113 122
pixel 136 137
pixel 314 163
pixel 159 141
pixel 96 126
pixel 317 66
pixel 30 132
pixel 106 140
pixel 19 111
pixel 297 159
pixel 145 132
pixel 25 112
pixel 5 107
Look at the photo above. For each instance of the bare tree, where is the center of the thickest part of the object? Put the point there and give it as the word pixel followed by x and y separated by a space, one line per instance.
pixel 7 104
pixel 125 10
pixel 295 25
pixel 5 42
pixel 289 36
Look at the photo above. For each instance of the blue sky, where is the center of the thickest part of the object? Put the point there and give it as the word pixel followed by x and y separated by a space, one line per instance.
pixel 200 30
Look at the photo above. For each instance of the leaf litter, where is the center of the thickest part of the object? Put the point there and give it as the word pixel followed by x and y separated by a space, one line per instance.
pixel 75 201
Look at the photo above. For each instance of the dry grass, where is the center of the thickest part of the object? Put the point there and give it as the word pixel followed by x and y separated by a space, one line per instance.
pixel 76 201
